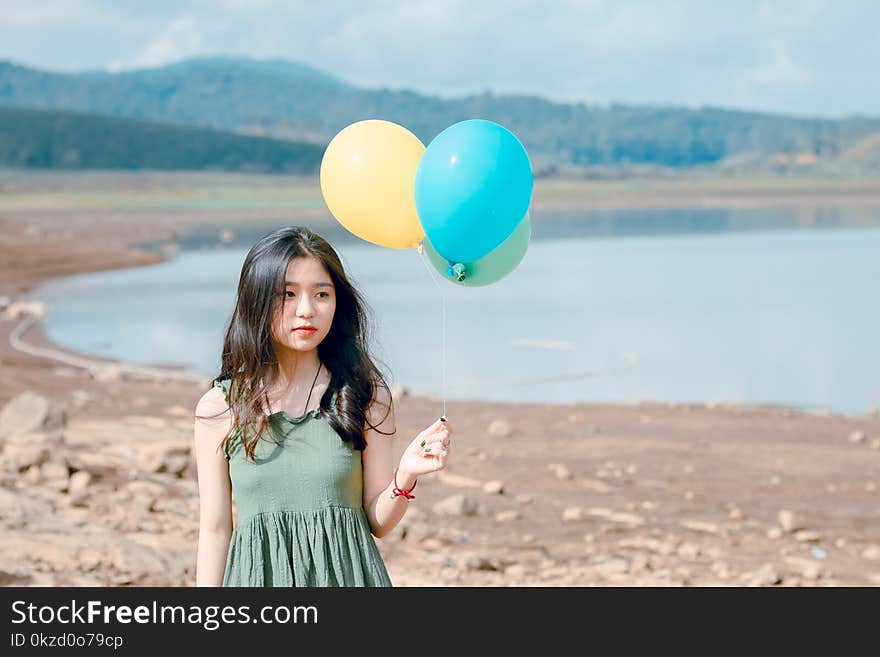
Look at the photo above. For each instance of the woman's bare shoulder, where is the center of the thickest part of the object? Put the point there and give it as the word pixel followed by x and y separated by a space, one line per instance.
pixel 381 412
pixel 213 405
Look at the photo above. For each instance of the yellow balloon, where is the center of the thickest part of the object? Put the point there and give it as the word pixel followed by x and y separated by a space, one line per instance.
pixel 368 176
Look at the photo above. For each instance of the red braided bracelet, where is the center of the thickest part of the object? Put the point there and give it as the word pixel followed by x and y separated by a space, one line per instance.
pixel 399 491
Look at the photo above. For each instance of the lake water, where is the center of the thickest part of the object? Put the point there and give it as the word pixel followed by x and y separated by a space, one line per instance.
pixel 623 306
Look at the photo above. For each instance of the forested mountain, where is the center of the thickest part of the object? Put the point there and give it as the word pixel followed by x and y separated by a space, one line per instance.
pixel 67 140
pixel 286 100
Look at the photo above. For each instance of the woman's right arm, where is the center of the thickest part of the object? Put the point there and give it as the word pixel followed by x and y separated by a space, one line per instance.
pixel 213 420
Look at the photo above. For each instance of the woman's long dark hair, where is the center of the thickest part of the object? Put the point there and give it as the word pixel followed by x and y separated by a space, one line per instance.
pixel 248 353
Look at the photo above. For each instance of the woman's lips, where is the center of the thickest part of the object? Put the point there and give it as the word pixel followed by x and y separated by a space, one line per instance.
pixel 305 330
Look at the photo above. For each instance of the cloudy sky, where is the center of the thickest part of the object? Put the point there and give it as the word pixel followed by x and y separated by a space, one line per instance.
pixel 797 57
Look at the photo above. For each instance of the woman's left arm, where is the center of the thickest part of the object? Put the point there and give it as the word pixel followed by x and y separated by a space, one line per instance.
pixel 384 510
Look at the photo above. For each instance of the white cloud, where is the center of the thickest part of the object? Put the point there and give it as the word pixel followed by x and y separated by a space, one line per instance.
pixel 183 37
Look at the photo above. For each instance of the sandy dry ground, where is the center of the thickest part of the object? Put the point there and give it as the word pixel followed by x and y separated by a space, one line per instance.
pixel 587 494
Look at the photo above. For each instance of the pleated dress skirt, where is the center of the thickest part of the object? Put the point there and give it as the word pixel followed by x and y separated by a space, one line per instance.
pixel 300 514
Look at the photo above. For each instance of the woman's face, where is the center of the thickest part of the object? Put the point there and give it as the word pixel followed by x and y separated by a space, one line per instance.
pixel 309 299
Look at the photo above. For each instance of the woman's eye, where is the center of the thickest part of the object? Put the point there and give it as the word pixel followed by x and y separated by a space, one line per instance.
pixel 290 294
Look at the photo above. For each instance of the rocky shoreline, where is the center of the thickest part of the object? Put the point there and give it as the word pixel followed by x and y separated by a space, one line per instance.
pixel 98 485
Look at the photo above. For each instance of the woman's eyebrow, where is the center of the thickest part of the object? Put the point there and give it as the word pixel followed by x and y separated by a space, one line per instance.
pixel 321 284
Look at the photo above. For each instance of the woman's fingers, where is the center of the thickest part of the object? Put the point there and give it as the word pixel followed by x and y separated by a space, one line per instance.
pixel 441 424
pixel 440 461
pixel 435 429
pixel 436 444
pixel 427 436
pixel 435 439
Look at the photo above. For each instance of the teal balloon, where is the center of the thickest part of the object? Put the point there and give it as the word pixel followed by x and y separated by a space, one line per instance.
pixel 473 186
pixel 490 268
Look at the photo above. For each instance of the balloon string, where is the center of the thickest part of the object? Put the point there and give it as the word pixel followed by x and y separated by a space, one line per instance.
pixel 421 251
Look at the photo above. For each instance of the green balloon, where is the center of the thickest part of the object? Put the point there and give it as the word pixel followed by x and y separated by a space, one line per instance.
pixel 492 267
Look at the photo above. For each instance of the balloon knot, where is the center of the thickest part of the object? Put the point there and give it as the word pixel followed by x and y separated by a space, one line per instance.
pixel 456 270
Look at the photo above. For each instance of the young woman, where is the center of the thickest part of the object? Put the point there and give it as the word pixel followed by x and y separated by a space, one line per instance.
pixel 298 427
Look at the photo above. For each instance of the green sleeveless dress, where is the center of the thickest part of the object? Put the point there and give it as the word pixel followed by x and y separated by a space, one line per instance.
pixel 300 514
